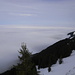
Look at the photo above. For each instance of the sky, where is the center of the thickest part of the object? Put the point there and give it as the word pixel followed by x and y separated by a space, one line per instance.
pixel 37 12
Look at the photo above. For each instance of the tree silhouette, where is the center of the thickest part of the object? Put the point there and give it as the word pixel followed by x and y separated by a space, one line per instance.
pixel 26 66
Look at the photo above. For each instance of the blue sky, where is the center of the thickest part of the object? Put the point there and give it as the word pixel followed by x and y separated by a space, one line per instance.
pixel 37 12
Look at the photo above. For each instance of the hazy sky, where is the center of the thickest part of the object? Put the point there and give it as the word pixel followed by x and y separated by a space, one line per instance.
pixel 37 12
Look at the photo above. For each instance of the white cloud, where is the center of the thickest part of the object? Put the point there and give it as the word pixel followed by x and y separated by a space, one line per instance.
pixel 20 14
pixel 25 14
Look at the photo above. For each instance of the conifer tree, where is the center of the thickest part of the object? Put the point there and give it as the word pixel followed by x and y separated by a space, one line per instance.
pixel 25 67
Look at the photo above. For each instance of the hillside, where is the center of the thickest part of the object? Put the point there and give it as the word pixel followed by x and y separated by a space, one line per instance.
pixel 66 68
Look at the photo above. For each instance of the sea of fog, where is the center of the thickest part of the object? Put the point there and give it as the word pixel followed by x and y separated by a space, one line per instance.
pixel 36 39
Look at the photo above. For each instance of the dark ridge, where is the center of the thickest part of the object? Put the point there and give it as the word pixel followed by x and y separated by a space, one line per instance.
pixel 50 55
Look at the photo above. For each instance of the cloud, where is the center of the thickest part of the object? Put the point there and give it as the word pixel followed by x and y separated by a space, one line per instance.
pixel 20 14
pixel 26 14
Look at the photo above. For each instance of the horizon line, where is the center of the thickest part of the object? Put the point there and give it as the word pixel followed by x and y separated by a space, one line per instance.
pixel 37 27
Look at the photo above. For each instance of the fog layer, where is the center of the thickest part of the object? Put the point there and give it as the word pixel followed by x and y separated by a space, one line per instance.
pixel 36 40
